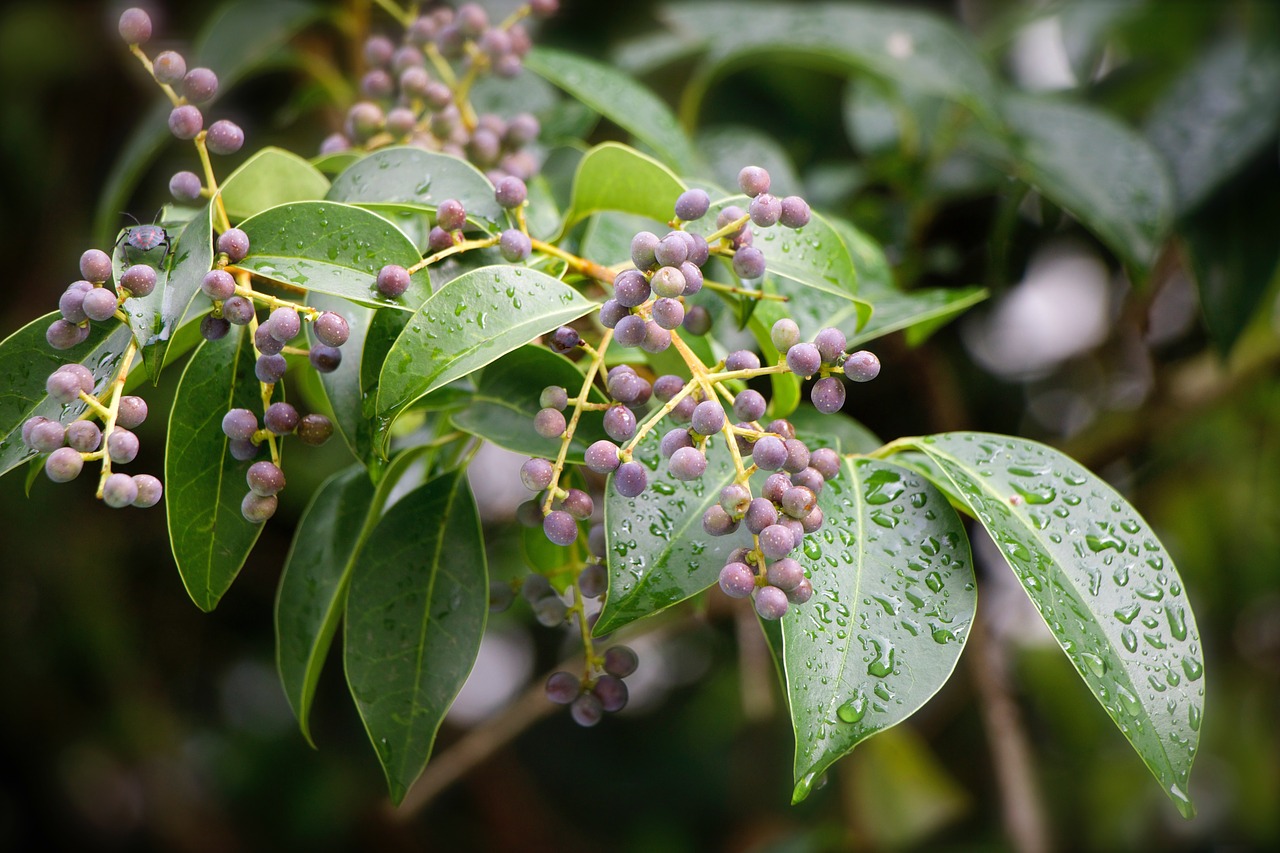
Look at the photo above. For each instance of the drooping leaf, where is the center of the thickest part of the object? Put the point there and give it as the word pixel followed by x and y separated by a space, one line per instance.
pixel 327 247
pixel 658 553
pixel 894 595
pixel 1106 587
pixel 241 38
pixel 404 175
pixel 270 177
pixel 470 322
pixel 313 585
pixel 26 360
pixel 919 312
pixel 416 610
pixel 1103 173
pixel 506 401
pixel 204 484
pixel 612 176
pixel 620 99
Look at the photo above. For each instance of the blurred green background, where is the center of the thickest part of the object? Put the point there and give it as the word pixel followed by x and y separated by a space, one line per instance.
pixel 131 721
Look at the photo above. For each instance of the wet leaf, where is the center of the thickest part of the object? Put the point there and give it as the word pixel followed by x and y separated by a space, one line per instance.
pixel 614 177
pixel 270 177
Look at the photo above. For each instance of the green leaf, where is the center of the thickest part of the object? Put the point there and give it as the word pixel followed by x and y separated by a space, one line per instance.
pixel 241 38
pixel 837 431
pixel 204 484
pixel 893 597
pixel 658 554
pixel 342 386
pixel 612 176
pixel 26 360
pixel 916 49
pixel 314 583
pixel 730 147
pixel 1219 114
pixel 271 177
pixel 919 312
pixel 620 99
pixel 403 175
pixel 327 247
pixel 506 401
pixel 1106 587
pixel 472 321
pixel 415 614
pixel 1103 173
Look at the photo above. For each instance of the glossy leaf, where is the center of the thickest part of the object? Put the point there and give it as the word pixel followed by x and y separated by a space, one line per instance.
pixel 506 401
pixel 1103 173
pixel 204 484
pixel 313 585
pixel 26 360
pixel 918 312
pixel 727 148
pixel 271 177
pixel 402 175
pixel 342 386
pixel 239 39
pixel 917 49
pixel 326 247
pixel 893 598
pixel 1104 584
pixel 838 431
pixel 470 322
pixel 618 98
pixel 658 554
pixel 615 177
pixel 1219 114
pixel 416 610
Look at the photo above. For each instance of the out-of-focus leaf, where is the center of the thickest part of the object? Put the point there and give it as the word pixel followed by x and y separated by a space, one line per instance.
pixel 270 177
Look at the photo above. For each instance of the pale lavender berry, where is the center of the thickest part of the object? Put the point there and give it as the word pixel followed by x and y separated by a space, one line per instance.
pixel 797 455
pixel 536 474
pixel 270 368
pixel 753 180
pixel 560 527
pixel 674 440
pixel 602 457
pixel 185 186
pixel 238 310
pixel 708 418
pixel 749 405
pixel 761 513
pixel 735 498
pixel 150 490
pixel 406 57
pixel 620 661
pixel 771 603
pixel 798 501
pixel 514 245
pixel 63 465
pixel 795 212
pixel 630 331
pixel 672 250
pixel 656 338
pixel 218 285
pixel 862 366
pixel 131 412
pixel 612 312
pixel 122 446
pixel 414 81
pixel 668 313
pixel 830 343
pixel 812 522
pixel 775 486
pixel 224 137
pixel 554 397
pixel 717 522
pixel 578 504
pixel 737 580
pixel 631 288
pixel 334 143
pixel 586 710
pixel 242 450
pixel 199 85
pixel 784 334
pixel 688 463
pixel 668 281
pixel 239 424
pixel 510 192
pixel 692 204
pixel 257 508
pixel 331 328
pixel 693 278
pixel 264 478
pixel 697 320
pixel 83 436
pixel 46 436
pixel 563 687
pixel 699 251
pixel 67 382
pixel 667 386
pixel 234 243
pixel 619 423
pixel 776 542
pixel 549 423
pixel 283 324
pixel 393 280
pixel 827 395
pixel 803 359
pixel 743 359
pixel 119 491
pixel 785 574
pixel 99 304
pixel 749 262
pixel 71 303
pixel 643 246
pixel 376 84
pixel 185 121
pixel 364 119
pixel 802 593
pixel 769 453
pixel 630 479
pixel 95 266
pixel 135 26
pixel 809 478
pixel 451 215
pixel 522 129
pixel 765 210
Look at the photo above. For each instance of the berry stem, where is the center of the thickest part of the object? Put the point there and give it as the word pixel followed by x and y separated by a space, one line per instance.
pixel 272 302
pixel 137 51
pixel 94 405
pixel 461 246
pixel 579 404
pixel 582 266
pixel 114 392
pixel 730 228
pixel 591 660
pixel 211 182
pixel 742 291
pixel 443 68
pixel 402 16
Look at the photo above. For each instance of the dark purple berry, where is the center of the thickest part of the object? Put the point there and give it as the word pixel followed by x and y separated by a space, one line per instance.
pixel 185 186
pixel 510 192
pixel 771 603
pixel 241 450
pixel 224 137
pixel 830 343
pixel 218 285
pixel 672 250
pixel 620 661
pixel 586 710
pixel 238 310
pixel 596 540
pixel 697 320
pixel 668 313
pixel 331 328
pixel 612 312
pixel 135 26
pixel 451 215
pixel 239 424
pixel 257 509
pixel 673 441
pixel 782 427
pixel 795 212
pixel 185 122
pixel 630 479
pixel 265 478
pixel 514 245
pixel 667 386
pixel 563 687
pixel 699 251
pixel 214 328
pixel 804 359
pixel 281 418
pixel 578 504
pixel 536 474
pixel 71 303
pixel 737 580
pixel 270 368
pixel 769 453
pixel 393 280
pixel 631 288
pixel 199 85
pixel 717 522
pixel 749 405
pixel 692 277
pixel 619 423
pixel 593 580
pixel 753 180
pixel 749 262
pixel 602 457
pixel 234 243
pixel 264 342
pixel 827 395
pixel 630 331
pixel 692 204
pixel 612 693
pixel 682 412
pixel 862 366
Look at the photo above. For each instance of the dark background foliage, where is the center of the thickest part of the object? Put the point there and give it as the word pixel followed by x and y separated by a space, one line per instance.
pixel 132 721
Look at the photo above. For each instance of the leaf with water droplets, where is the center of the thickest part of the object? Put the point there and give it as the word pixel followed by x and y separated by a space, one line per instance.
pixel 613 176
pixel 270 177
pixel 416 611
pixel 470 322
pixel 412 176
pixel 1092 566
pixel 893 598
pixel 507 399
pixel 658 553
pixel 333 248
pixel 342 386
pixel 204 483
pixel 618 98
pixel 26 360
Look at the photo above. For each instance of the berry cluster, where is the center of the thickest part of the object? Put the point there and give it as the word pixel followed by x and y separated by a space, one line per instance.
pixel 416 93
pixel 265 478
pixel 591 697
pixel 187 89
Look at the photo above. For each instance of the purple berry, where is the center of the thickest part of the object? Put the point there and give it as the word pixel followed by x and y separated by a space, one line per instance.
pixel 135 26
pixel 451 215
pixel 602 457
pixel 99 304
pixel 765 210
pixel 630 331
pixel 797 455
pixel 786 574
pixel 802 593
pixel 224 137
pixel 643 246
pixel 776 542
pixel 331 329
pixel 620 661
pixel 242 451
pixel 612 693
pixel 737 580
pixel 804 359
pixel 122 446
pixel 656 338
pixel 795 212
pixel 735 498
pixel 393 280
pixel 510 192
pixel 324 359
pixel 798 501
pixel 514 245
pixel 549 423
pixel 536 474
pixel 809 478
pixel 563 687
pixel 688 463
pixel 667 386
pixel 630 479
pixel 612 312
pixel 119 491
pixel 708 418
pixel 697 320
pixel 827 395
pixel 692 204
pixel 619 423
pixel 862 366
pixel 185 186
pixel 753 180
pixel 693 279
pixel 283 324
pixel 281 418
pixel 314 429
pixel 270 368
pixel 46 436
pixel 631 288
pixel 771 603
pixel 214 328
pixel 234 243
pixel 578 504
pixel 560 527
pixel 593 580
pixel 742 360
pixel 769 453
pixel 264 478
pixel 749 262
pixel 672 250
pixel 199 85
pixel 830 343
pixel 63 465
pixel 185 121
pixel 95 266
pixel 238 310
pixel 257 509
pixel 150 490
pixel 775 486
pixel 131 412
pixel 761 513
pixel 586 710
pixel 749 405
pixel 668 313
pixel 67 382
pixel 668 281
pixel 83 436
pixel 239 424
pixel 218 285
pixel 554 397
pixel 717 522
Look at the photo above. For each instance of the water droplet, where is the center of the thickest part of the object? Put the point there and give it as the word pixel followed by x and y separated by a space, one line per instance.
pixel 1177 621
pixel 854 709
pixel 1096 664
pixel 882 664
pixel 1192 667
